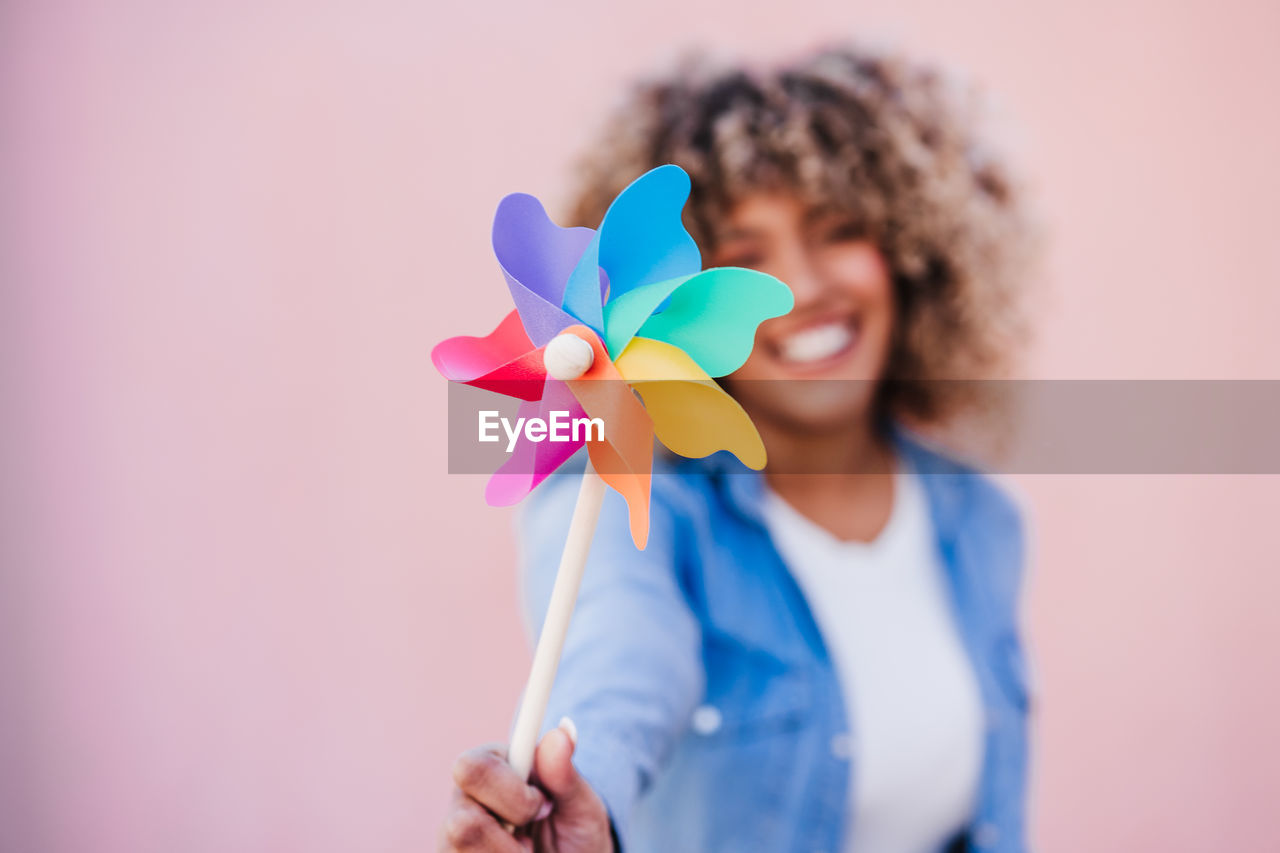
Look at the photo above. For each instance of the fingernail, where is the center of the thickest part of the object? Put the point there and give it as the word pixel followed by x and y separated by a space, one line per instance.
pixel 570 729
pixel 543 810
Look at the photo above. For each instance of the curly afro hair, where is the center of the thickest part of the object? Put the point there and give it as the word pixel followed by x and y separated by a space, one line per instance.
pixel 871 135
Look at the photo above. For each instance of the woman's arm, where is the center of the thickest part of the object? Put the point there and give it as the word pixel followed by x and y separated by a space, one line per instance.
pixel 632 672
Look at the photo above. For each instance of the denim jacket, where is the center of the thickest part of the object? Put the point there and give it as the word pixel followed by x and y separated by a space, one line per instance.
pixel 709 713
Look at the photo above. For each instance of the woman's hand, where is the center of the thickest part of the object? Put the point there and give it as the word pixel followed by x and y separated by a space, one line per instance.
pixel 559 813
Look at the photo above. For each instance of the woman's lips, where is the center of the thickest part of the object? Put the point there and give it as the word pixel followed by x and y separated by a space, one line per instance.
pixel 817 346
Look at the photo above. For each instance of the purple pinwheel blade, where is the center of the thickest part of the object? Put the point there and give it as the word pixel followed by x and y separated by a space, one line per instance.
pixel 537 257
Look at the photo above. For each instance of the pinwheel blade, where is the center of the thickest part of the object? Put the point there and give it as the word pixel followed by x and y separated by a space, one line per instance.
pixel 641 240
pixel 532 462
pixel 624 459
pixel 691 414
pixel 537 257
pixel 712 315
pixel 504 360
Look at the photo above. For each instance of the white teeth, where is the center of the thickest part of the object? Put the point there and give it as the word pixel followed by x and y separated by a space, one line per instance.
pixel 816 343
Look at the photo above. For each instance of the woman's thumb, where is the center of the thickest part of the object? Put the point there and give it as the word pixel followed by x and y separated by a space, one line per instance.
pixel 553 764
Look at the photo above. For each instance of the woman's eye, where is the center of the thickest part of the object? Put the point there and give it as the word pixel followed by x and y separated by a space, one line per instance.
pixel 843 232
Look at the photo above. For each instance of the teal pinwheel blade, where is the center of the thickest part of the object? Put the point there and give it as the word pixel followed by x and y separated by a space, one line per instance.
pixel 711 315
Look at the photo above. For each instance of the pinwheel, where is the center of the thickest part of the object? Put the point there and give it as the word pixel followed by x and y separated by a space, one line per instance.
pixel 619 324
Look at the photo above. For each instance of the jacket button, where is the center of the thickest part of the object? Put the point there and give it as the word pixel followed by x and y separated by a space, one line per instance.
pixel 842 746
pixel 706 719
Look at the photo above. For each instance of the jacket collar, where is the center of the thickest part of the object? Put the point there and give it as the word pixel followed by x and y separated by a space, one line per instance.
pixel 943 477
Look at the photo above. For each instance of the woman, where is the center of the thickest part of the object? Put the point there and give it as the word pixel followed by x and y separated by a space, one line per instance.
pixel 825 656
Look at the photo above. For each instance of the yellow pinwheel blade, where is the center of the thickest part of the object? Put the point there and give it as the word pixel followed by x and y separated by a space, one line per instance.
pixel 691 414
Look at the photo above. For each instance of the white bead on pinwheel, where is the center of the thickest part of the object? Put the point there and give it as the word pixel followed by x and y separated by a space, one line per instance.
pixel 567 357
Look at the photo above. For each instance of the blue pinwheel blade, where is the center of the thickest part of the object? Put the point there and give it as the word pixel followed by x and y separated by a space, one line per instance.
pixel 641 240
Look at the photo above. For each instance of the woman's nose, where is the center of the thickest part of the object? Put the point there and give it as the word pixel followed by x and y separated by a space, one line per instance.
pixel 804 279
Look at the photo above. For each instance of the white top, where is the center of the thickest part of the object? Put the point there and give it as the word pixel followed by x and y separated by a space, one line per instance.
pixel 913 701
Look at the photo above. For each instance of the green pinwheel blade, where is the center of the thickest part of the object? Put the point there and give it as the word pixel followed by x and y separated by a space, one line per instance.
pixel 711 315
pixel 625 314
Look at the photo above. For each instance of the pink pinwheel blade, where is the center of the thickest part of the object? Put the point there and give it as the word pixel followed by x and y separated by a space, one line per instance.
pixel 504 361
pixel 532 462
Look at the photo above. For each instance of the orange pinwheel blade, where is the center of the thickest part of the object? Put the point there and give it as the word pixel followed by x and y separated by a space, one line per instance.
pixel 624 459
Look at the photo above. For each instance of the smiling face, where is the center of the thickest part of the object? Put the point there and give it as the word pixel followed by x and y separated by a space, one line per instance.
pixel 840 329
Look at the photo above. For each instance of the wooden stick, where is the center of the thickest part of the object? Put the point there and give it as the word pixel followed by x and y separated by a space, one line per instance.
pixel 546 658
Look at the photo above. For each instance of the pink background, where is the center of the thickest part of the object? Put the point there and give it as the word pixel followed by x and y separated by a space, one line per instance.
pixel 246 609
